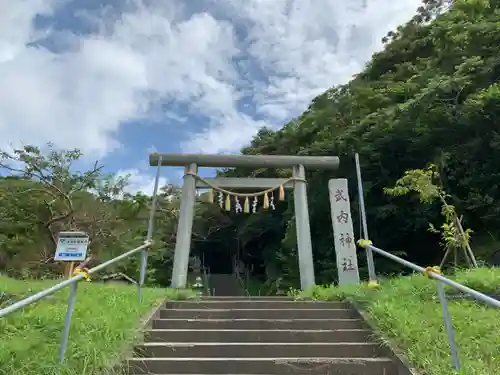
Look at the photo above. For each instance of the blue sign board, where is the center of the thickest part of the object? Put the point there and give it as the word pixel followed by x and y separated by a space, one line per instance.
pixel 71 246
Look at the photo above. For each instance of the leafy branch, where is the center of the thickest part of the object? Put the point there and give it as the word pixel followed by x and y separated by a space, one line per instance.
pixel 53 171
pixel 426 183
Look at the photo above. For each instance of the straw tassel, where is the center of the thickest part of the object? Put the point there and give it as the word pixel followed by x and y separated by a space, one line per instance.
pixel 246 207
pixel 281 195
pixel 228 203
pixel 210 196
pixel 266 202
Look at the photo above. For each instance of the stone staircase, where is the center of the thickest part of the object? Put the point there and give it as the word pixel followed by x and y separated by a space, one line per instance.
pixel 236 335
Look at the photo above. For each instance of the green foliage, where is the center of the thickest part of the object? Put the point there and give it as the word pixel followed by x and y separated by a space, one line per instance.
pixel 419 181
pixel 45 194
pixel 422 181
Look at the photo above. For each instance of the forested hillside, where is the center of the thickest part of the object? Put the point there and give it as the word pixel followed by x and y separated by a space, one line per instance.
pixel 431 96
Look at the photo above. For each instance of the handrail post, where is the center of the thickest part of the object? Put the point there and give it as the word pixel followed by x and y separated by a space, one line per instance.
pixel 449 326
pixel 67 321
pixel 372 276
pixel 149 235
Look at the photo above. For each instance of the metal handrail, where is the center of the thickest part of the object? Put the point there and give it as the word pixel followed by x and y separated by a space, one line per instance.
pixel 63 284
pixel 434 273
pixel 73 281
pixel 462 288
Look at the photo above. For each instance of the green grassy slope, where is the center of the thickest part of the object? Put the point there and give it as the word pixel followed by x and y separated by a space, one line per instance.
pixel 105 322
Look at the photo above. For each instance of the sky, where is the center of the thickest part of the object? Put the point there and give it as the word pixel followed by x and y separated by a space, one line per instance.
pixel 119 79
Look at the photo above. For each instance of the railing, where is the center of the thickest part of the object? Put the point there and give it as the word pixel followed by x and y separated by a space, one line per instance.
pixel 73 284
pixel 434 273
pixel 73 281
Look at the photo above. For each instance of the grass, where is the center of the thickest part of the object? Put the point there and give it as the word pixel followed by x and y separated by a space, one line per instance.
pixel 104 327
pixel 408 312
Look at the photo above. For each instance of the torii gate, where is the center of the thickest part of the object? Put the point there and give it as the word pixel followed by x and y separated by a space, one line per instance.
pixel 191 162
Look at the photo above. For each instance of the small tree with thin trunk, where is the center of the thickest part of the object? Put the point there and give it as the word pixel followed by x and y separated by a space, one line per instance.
pixel 427 184
pixel 56 182
pixel 60 198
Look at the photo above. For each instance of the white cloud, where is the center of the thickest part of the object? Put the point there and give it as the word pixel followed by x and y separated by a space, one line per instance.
pixel 140 182
pixel 16 24
pixel 79 97
pixel 307 47
pixel 304 47
pixel 229 134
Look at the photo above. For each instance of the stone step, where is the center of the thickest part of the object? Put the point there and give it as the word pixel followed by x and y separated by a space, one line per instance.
pixel 263 366
pixel 256 305
pixel 235 335
pixel 249 298
pixel 261 324
pixel 257 350
pixel 258 313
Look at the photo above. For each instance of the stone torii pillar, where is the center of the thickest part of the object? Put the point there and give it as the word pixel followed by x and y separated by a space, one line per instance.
pixel 191 162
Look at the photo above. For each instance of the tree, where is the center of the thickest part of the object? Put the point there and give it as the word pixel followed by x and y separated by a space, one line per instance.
pixel 45 195
pixel 55 182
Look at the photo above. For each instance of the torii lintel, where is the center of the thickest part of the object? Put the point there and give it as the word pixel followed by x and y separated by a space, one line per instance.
pixel 250 161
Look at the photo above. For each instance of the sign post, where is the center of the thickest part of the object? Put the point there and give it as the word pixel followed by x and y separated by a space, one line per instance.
pixel 71 246
pixel 345 244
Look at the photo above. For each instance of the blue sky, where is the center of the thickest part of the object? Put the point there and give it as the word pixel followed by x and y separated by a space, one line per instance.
pixel 122 78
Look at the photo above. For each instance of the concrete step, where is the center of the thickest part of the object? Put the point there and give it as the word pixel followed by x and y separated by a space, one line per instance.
pixel 235 335
pixel 258 313
pixel 261 366
pixel 256 350
pixel 261 324
pixel 247 298
pixel 256 305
